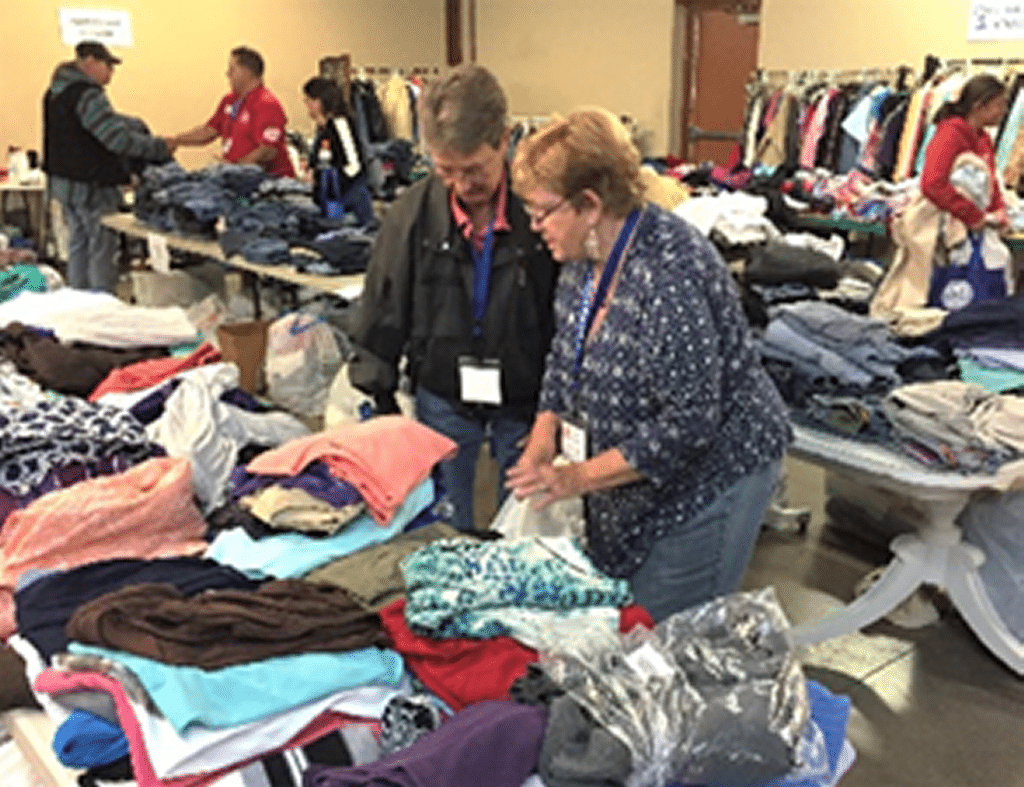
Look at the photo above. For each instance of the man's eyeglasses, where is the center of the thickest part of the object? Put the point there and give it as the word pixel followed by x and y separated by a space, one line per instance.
pixel 538 217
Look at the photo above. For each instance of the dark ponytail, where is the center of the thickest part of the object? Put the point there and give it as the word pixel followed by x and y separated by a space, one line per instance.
pixel 332 99
pixel 977 90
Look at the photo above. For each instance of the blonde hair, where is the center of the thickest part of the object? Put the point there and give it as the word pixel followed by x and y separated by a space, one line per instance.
pixel 589 149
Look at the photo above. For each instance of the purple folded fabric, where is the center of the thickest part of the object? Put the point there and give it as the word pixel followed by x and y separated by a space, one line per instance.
pixel 315 479
pixel 493 743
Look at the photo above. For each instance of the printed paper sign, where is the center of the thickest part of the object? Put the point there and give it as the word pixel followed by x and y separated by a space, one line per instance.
pixel 113 28
pixel 996 20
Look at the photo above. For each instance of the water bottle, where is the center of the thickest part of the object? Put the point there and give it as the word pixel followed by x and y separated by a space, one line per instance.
pixel 323 156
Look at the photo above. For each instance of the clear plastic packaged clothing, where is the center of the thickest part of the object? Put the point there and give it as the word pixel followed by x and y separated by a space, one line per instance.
pixel 713 695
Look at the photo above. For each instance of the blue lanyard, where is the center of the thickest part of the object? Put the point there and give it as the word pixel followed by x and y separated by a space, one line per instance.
pixel 482 278
pixel 589 308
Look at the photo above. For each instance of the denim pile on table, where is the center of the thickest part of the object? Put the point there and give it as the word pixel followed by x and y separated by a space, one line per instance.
pixel 169 197
pixel 265 219
pixel 833 366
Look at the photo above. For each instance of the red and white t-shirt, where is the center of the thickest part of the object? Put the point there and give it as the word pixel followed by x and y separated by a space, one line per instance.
pixel 246 124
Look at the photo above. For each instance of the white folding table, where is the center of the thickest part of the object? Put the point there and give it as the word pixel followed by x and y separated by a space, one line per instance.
pixel 936 554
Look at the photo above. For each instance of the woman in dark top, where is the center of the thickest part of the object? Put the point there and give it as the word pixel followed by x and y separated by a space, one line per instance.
pixel 336 158
pixel 653 388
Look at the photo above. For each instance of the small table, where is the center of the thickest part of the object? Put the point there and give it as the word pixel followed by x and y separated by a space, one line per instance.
pixel 936 554
pixel 31 195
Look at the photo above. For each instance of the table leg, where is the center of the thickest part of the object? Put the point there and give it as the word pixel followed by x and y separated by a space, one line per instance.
pixel 254 283
pixel 969 597
pixel 918 558
pixel 902 577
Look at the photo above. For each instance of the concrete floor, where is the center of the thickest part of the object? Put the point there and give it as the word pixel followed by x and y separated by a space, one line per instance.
pixel 931 706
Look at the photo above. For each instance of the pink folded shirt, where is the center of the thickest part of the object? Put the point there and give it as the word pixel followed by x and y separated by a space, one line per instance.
pixel 145 512
pixel 384 458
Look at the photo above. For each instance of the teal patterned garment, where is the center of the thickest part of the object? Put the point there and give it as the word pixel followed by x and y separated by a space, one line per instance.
pixel 460 588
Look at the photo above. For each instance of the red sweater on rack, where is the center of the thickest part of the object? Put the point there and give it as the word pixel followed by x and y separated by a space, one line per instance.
pixel 954 136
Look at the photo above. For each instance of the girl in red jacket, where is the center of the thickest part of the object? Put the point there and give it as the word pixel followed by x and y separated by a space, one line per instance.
pixel 961 128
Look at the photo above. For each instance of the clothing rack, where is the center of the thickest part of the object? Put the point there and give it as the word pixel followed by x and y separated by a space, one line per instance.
pixel 370 72
pixel 807 76
pixel 529 121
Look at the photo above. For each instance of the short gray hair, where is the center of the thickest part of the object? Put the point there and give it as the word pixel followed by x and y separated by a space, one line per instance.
pixel 464 110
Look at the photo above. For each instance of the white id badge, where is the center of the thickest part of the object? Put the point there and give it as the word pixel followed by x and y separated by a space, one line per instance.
pixel 480 381
pixel 574 442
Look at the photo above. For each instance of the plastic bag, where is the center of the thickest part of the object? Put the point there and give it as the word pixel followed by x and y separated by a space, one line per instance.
pixel 302 359
pixel 518 519
pixel 995 524
pixel 331 203
pixel 976 272
pixel 345 402
pixel 714 695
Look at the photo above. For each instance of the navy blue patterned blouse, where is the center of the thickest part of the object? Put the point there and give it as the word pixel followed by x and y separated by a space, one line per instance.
pixel 672 379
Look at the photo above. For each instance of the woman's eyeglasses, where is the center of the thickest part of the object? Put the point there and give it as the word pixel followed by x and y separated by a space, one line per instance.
pixel 538 217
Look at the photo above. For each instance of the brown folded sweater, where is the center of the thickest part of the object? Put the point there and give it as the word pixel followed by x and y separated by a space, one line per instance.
pixel 219 628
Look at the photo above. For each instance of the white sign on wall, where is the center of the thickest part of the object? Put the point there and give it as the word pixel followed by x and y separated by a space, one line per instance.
pixel 113 28
pixel 996 20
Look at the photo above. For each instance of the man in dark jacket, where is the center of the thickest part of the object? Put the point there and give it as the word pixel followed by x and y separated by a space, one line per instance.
pixel 460 285
pixel 86 145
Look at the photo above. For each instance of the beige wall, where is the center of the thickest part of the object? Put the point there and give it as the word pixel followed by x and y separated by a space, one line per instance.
pixel 553 55
pixel 174 74
pixel 844 34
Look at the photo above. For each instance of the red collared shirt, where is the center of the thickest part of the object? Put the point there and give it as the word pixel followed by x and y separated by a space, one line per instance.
pixel 476 235
pixel 258 119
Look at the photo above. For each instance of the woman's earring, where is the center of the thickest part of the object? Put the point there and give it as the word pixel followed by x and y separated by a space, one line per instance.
pixel 590 245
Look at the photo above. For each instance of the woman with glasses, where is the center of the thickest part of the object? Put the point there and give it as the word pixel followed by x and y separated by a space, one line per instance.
pixel 653 389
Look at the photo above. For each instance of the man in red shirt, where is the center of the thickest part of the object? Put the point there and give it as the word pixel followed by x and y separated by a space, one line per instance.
pixel 249 119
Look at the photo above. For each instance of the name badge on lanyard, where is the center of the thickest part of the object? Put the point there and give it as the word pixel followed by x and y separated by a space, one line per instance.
pixel 574 441
pixel 480 378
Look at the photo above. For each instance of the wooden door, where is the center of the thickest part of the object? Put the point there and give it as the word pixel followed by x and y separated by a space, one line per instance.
pixel 721 55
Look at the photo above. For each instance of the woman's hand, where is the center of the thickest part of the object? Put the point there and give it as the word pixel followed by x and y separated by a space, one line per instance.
pixel 545 481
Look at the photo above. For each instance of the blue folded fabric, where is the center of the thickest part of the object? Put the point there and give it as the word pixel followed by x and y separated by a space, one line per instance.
pixel 86 740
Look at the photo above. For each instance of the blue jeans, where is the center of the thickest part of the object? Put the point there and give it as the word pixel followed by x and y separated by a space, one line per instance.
pixel 357 200
pixel 91 246
pixel 459 473
pixel 708 555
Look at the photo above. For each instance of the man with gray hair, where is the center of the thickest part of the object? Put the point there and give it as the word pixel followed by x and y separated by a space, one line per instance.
pixel 461 286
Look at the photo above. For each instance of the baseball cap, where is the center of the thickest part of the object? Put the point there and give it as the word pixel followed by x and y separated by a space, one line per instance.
pixel 96 50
